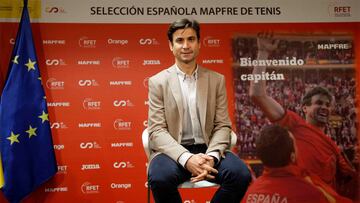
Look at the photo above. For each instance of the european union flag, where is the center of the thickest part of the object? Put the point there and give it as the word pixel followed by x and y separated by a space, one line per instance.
pixel 27 151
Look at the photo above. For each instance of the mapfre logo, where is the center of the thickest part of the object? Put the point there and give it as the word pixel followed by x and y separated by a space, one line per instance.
pixel 210 41
pixel 85 42
pixel 148 41
pixel 121 144
pixel 89 125
pixel 88 83
pixel 55 62
pixel 89 145
pixel 123 103
pixel 58 125
pixel 89 62
pixel 123 165
pixel 55 9
pixel 54 42
pixel 338 9
pixel 54 84
pixel 120 124
pixel 58 104
pixel 90 104
pixel 56 189
pixel 329 46
pixel 120 83
pixel 88 188
pixel 119 62
pixel 213 61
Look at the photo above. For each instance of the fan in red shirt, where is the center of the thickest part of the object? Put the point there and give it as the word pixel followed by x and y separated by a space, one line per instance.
pixel 282 180
pixel 318 154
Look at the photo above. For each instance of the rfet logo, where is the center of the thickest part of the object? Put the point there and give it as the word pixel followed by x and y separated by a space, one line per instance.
pixel 54 84
pixel 85 42
pixel 88 188
pixel 62 169
pixel 339 10
pixel 210 41
pixel 90 104
pixel 148 41
pixel 12 41
pixel 119 62
pixel 120 124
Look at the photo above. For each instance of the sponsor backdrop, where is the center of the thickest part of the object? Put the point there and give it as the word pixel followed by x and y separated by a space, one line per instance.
pixel 96 57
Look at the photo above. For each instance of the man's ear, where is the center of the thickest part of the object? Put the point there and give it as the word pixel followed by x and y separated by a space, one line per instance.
pixel 293 157
pixel 171 46
pixel 304 108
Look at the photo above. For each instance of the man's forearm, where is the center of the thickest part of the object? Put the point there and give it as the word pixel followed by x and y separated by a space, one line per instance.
pixel 258 88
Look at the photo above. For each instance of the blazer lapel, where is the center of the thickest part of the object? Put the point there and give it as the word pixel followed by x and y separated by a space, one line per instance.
pixel 202 94
pixel 176 90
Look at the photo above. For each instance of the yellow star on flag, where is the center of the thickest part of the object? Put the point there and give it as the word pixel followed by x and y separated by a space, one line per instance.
pixel 44 117
pixel 15 60
pixel 30 65
pixel 31 131
pixel 13 138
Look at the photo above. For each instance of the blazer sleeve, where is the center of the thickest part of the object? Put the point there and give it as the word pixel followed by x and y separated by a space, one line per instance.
pixel 160 138
pixel 220 135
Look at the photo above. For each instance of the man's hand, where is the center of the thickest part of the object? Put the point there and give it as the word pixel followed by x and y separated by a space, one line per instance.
pixel 266 42
pixel 201 166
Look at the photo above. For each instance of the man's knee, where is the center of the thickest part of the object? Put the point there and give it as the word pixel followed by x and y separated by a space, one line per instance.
pixel 236 173
pixel 162 175
pixel 159 180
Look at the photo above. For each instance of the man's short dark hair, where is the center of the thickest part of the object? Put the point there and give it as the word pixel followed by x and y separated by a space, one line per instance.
pixel 274 146
pixel 182 24
pixel 306 100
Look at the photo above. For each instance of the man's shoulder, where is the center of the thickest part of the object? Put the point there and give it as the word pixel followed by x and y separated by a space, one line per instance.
pixel 212 73
pixel 162 74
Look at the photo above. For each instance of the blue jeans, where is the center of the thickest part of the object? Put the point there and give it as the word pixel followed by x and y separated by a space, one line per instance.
pixel 165 175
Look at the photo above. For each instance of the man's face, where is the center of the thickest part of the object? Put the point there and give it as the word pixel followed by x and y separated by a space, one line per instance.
pixel 319 111
pixel 185 45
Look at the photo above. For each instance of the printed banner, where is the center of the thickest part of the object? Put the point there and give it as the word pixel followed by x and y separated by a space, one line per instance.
pixel 95 63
